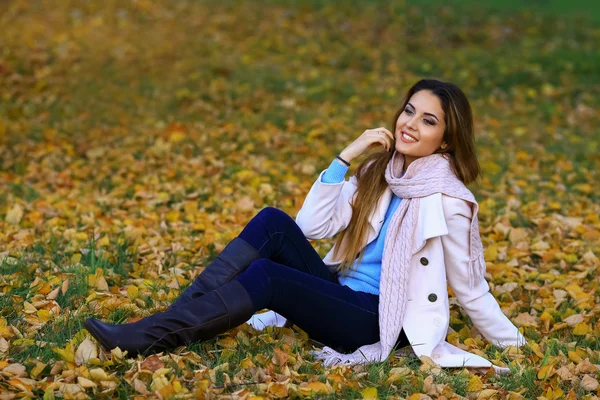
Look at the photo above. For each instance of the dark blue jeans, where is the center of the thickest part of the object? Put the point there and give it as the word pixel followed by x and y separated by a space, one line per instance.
pixel 292 280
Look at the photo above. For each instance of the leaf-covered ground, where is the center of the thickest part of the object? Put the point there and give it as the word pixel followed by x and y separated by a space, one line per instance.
pixel 137 138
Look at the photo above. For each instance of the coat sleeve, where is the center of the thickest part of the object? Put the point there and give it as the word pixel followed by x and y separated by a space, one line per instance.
pixel 478 302
pixel 327 208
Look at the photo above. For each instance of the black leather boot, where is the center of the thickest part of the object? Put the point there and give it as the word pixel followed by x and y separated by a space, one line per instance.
pixel 232 261
pixel 198 319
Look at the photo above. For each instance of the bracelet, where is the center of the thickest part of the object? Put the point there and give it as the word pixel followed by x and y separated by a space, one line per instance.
pixel 342 160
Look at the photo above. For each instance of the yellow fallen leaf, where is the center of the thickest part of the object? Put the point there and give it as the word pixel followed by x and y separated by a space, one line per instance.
pixel 278 390
pixel 486 394
pixel 162 371
pixel 28 308
pixel 176 137
pixel 53 294
pixel 101 284
pixel 546 372
pixel 167 391
pixel 14 215
pixel 369 393
pixel 66 354
pixel 574 356
pixel 49 393
pixel 429 365
pixel 22 385
pixel 581 329
pixel 247 363
pixel 228 342
pixel 37 369
pixel 132 291
pixel 43 315
pixel 103 242
pixel 397 373
pixel 418 396
pixel 490 253
pixel 475 384
pixel 535 348
pixel 85 383
pixel 309 388
pixel 159 382
pixel 517 235
pixel 98 374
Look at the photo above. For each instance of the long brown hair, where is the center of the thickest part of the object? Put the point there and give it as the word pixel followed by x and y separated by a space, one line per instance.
pixel 370 173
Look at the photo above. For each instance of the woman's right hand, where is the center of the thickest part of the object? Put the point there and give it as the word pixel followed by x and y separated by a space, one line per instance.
pixel 369 139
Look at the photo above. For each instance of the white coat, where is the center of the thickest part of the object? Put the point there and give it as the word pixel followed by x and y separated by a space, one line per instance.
pixel 444 226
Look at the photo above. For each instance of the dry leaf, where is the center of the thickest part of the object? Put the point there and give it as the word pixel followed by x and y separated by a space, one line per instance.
pixel 589 383
pixel 86 350
pixel 152 363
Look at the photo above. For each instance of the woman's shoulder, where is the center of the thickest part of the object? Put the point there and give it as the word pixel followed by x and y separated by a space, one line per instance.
pixel 456 206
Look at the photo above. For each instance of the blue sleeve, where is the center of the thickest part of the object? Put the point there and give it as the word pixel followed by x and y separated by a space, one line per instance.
pixel 335 172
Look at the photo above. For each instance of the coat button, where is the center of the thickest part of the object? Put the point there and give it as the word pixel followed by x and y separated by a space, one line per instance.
pixel 432 297
pixel 424 261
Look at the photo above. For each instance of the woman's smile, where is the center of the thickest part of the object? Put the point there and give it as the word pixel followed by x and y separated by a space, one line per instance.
pixel 407 138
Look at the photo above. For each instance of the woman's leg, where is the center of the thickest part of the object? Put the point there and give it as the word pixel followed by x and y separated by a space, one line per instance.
pixel 334 315
pixel 271 234
pixel 278 238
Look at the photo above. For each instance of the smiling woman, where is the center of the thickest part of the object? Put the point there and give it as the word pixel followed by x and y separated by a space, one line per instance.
pixel 407 214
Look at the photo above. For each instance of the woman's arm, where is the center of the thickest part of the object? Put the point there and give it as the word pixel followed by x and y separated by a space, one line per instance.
pixel 326 209
pixel 478 302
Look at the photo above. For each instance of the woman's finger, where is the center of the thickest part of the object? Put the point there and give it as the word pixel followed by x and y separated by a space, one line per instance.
pixel 384 142
pixel 388 133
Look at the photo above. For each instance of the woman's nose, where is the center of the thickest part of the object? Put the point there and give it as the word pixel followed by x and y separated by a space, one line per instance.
pixel 411 123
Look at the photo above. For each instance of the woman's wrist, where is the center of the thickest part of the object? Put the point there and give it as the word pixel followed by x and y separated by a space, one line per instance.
pixel 342 161
pixel 346 157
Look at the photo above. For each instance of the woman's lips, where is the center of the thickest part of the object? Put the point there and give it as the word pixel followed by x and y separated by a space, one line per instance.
pixel 406 138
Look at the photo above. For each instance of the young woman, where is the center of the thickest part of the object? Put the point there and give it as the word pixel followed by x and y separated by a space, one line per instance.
pixel 408 226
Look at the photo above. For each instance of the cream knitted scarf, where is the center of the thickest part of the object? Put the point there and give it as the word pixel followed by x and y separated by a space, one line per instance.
pixel 424 176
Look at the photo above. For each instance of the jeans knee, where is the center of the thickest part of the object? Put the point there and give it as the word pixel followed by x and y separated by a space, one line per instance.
pixel 258 267
pixel 273 213
pixel 264 268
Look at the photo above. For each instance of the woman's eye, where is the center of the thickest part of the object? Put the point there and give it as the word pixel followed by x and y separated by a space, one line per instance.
pixel 406 110
pixel 428 122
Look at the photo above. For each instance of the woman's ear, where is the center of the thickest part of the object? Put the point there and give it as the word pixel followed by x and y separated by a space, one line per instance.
pixel 444 145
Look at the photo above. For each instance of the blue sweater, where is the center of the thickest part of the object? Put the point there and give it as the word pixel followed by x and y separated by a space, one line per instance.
pixel 365 276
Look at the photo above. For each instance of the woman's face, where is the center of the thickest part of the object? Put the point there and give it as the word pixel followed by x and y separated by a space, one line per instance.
pixel 420 127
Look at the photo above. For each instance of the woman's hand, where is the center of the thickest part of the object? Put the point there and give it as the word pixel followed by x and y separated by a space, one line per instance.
pixel 370 139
